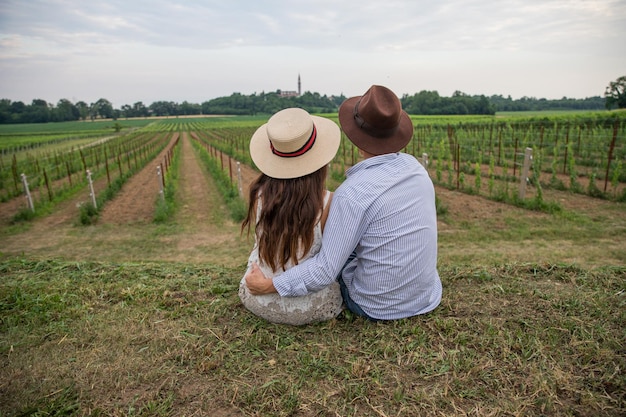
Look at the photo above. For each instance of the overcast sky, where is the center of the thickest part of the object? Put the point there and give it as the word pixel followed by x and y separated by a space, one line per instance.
pixel 134 50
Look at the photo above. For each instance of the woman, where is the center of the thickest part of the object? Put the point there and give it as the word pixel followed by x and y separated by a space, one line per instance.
pixel 288 207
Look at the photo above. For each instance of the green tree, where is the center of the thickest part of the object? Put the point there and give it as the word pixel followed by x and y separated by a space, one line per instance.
pixel 65 111
pixel 164 108
pixel 140 110
pixel 5 110
pixel 38 112
pixel 136 110
pixel 83 110
pixel 102 108
pixel 127 111
pixel 615 93
pixel 187 108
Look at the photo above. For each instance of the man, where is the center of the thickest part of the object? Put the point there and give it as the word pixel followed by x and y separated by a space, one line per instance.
pixel 380 239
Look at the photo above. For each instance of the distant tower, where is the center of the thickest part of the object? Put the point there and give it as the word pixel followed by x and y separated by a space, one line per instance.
pixel 299 86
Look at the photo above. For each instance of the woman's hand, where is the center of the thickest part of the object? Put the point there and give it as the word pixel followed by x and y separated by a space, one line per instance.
pixel 257 283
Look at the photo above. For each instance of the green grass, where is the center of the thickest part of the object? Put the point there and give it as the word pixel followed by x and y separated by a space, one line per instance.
pixel 88 338
pixel 68 127
pixel 166 203
pixel 58 137
pixel 548 113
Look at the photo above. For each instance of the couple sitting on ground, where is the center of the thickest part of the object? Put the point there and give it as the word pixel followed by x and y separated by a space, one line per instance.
pixel 371 246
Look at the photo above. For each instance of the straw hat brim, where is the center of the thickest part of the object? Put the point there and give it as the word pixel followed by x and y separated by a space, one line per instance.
pixel 321 153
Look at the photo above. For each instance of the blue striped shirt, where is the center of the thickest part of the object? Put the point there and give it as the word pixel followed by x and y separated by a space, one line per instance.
pixel 385 212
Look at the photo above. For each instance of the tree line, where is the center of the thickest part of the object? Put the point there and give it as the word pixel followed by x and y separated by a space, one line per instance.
pixel 39 111
pixel 422 103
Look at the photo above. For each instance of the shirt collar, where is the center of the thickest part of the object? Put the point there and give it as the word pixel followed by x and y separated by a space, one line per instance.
pixel 371 162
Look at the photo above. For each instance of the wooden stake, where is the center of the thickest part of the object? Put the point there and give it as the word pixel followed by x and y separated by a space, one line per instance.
pixel 528 156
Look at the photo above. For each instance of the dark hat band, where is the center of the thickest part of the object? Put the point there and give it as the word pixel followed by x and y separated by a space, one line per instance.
pixel 306 147
pixel 372 130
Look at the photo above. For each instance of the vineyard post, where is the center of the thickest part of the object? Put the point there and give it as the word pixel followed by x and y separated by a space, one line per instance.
pixel 528 156
pixel 82 158
pixel 14 171
pixel 92 194
pixel 230 170
pixel 239 181
pixel 608 162
pixel 119 165
pixel 106 165
pixel 425 160
pixel 566 149
pixel 160 177
pixel 452 143
pixel 56 164
pixel 29 199
pixel 45 177
pixel 515 156
pixel 499 145
pixel 458 165
pixel 490 138
pixel 69 173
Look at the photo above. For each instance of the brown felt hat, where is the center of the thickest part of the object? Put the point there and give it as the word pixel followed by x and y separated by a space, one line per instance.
pixel 294 143
pixel 375 121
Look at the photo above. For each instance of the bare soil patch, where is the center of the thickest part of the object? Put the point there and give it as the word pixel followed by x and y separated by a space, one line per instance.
pixel 136 201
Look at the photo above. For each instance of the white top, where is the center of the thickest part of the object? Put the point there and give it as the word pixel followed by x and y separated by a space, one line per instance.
pixel 322 305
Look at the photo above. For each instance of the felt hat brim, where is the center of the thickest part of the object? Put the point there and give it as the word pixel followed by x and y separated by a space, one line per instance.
pixel 374 144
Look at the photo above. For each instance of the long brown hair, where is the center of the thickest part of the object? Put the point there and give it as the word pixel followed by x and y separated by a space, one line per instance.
pixel 290 209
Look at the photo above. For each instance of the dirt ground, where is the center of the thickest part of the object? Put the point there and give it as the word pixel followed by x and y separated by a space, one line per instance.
pixel 135 202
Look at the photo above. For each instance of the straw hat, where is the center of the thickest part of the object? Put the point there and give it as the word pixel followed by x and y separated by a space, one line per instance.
pixel 375 121
pixel 294 143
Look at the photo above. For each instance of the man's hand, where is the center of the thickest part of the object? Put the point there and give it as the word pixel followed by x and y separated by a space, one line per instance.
pixel 257 283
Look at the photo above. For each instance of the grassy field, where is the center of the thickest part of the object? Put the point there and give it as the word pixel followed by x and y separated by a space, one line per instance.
pixel 92 338
pixel 71 127
pixel 531 323
pixel 143 319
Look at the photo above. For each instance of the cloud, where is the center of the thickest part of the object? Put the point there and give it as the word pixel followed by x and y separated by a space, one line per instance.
pixel 349 24
pixel 475 46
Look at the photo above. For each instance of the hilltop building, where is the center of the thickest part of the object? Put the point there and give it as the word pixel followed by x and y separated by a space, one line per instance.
pixel 285 93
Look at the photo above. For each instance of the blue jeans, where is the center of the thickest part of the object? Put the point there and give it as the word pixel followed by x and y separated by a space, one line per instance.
pixel 345 294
